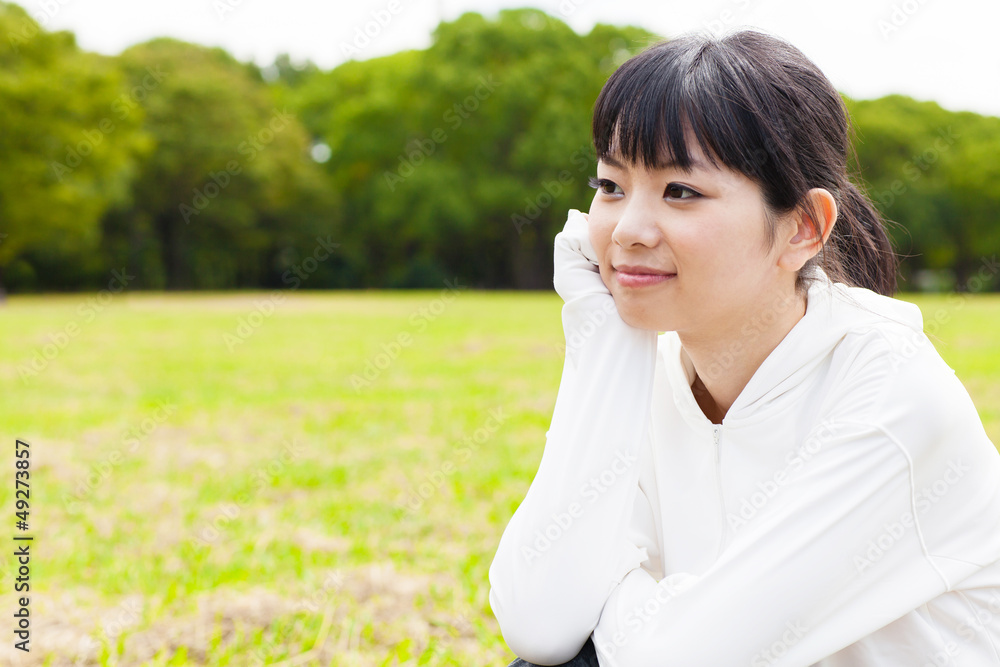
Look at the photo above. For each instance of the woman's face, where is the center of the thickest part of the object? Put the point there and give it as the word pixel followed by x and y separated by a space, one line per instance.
pixel 704 230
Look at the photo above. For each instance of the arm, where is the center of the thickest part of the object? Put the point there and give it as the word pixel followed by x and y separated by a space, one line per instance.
pixel 837 556
pixel 897 506
pixel 565 548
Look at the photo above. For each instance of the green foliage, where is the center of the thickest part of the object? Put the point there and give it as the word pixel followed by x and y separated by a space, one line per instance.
pixel 937 174
pixel 190 169
pixel 68 156
pixel 223 194
pixel 463 159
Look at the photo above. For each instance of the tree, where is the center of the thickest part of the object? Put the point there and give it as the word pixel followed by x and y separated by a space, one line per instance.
pixel 69 154
pixel 216 203
pixel 934 172
pixel 463 159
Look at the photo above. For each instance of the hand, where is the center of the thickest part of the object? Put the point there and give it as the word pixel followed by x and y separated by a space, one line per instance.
pixel 589 305
pixel 576 271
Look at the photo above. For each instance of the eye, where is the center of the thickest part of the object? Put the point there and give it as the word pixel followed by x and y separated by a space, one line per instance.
pixel 604 186
pixel 678 191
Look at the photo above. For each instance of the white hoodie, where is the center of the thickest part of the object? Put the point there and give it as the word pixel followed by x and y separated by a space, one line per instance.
pixel 845 513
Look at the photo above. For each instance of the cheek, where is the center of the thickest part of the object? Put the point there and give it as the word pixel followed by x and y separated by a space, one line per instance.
pixel 600 235
pixel 725 244
pixel 601 228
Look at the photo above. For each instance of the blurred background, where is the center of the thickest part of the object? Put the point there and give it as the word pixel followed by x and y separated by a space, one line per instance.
pixel 278 319
pixel 205 144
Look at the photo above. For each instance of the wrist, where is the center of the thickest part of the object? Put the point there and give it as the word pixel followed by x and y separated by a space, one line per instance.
pixel 593 321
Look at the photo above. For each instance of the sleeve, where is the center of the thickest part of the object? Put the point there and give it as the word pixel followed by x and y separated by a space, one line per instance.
pixel 835 556
pixel 567 546
pixel 642 531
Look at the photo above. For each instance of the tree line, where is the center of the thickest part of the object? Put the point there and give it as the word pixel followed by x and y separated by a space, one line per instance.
pixel 176 166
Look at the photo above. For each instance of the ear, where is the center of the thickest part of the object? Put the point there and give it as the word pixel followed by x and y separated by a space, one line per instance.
pixel 809 233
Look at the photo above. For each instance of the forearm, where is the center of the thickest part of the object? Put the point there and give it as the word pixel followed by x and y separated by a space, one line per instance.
pixel 562 553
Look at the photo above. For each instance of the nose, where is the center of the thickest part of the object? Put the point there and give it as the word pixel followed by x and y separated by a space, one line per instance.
pixel 637 225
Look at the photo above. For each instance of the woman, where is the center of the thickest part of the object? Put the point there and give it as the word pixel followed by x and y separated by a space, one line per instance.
pixel 788 475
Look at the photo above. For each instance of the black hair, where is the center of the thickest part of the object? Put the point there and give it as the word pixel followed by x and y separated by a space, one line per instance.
pixel 759 106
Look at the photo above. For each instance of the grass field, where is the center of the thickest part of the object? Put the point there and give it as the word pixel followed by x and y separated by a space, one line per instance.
pixel 324 483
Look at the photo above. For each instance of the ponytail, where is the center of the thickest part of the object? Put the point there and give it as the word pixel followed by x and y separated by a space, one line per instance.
pixel 858 251
pixel 760 107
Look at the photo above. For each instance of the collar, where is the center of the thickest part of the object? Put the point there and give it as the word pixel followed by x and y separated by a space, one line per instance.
pixel 833 310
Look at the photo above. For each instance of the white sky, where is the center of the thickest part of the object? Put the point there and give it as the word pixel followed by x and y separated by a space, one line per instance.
pixel 942 50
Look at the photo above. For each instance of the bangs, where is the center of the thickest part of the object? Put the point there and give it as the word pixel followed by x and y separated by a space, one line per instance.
pixel 650 103
pixel 755 105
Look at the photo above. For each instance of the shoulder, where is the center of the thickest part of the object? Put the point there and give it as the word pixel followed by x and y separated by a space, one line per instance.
pixel 883 363
pixel 886 376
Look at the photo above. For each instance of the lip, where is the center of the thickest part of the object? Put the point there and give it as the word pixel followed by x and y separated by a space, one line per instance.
pixel 642 279
pixel 638 269
pixel 635 275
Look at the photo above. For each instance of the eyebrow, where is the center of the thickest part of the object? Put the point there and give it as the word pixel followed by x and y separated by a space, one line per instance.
pixel 694 164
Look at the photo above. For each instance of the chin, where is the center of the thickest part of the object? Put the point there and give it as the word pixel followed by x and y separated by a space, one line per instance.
pixel 639 320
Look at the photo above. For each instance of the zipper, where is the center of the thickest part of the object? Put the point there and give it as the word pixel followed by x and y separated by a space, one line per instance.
pixel 717 437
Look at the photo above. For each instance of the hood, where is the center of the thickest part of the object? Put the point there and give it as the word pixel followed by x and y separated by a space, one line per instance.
pixel 832 311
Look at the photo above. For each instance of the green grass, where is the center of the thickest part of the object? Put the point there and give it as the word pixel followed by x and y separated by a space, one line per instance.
pixel 193 503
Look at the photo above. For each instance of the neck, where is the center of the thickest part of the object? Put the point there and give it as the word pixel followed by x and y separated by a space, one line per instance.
pixel 726 359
